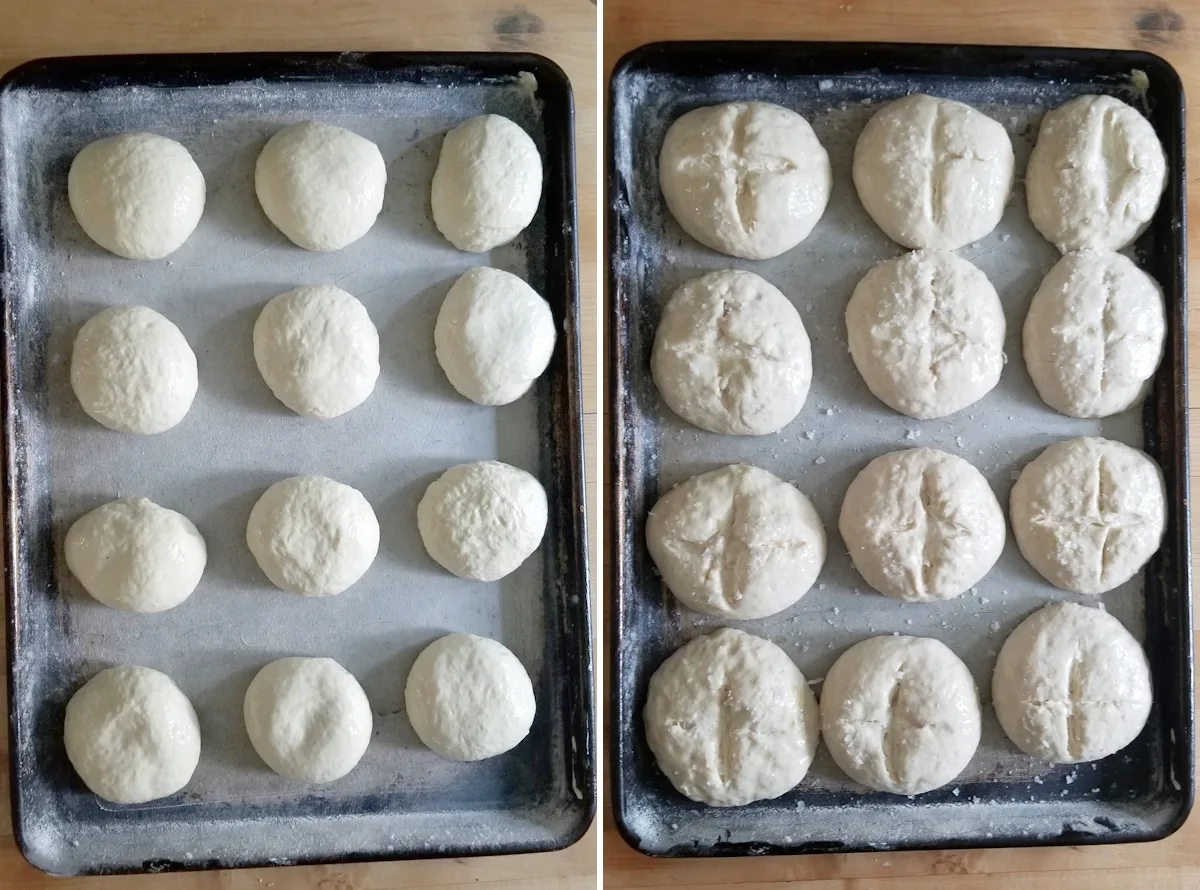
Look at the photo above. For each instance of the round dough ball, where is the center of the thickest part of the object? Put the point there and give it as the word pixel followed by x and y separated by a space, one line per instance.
pixel 736 542
pixel 307 718
pixel 320 185
pixel 134 555
pixel 133 371
pixel 488 183
pixel 731 355
pixel 749 179
pixel 136 195
pixel 318 350
pixel 482 520
pixel 900 714
pixel 132 735
pixel 469 698
pixel 921 525
pixel 1095 176
pixel 494 336
pixel 1088 513
pixel 933 172
pixel 313 536
pixel 731 720
pixel 926 332
pixel 1094 334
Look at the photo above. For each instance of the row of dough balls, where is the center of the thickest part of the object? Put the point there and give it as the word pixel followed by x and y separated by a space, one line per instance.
pixel 731 719
pixel 751 179
pixel 921 525
pixel 133 736
pixel 140 195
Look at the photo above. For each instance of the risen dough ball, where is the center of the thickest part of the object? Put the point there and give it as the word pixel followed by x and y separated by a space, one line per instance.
pixel 749 179
pixel 731 355
pixel 932 172
pixel 307 718
pixel 736 542
pixel 921 525
pixel 900 714
pixel 494 336
pixel 731 720
pixel 318 350
pixel 926 332
pixel 1094 334
pixel 133 371
pixel 1088 513
pixel 1071 684
pixel 469 698
pixel 320 185
pixel 137 195
pixel 482 520
pixel 132 735
pixel 487 184
pixel 1095 176
pixel 313 536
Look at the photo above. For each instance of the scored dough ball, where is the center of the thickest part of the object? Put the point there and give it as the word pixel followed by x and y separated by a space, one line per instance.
pixel 736 542
pixel 320 185
pixel 900 714
pixel 134 555
pixel 1095 176
pixel 488 183
pixel 1071 684
pixel 1094 334
pixel 307 718
pixel 468 698
pixel 136 195
pixel 317 350
pixel 731 355
pixel 749 179
pixel 1088 513
pixel 731 720
pixel 132 735
pixel 133 371
pixel 926 332
pixel 482 520
pixel 933 172
pixel 313 536
pixel 494 336
pixel 921 525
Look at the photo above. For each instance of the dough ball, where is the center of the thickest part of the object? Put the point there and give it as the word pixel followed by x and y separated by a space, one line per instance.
pixel 900 714
pixel 133 371
pixel 736 542
pixel 1088 513
pixel 320 185
pixel 731 355
pixel 482 520
pixel 132 735
pixel 731 720
pixel 926 332
pixel 134 555
pixel 136 195
pixel 313 536
pixel 1071 684
pixel 469 698
pixel 1094 334
pixel 921 525
pixel 749 179
pixel 318 350
pixel 933 172
pixel 494 336
pixel 488 183
pixel 1095 176
pixel 307 718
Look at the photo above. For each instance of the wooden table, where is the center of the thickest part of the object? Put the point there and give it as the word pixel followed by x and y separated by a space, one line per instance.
pixel 564 30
